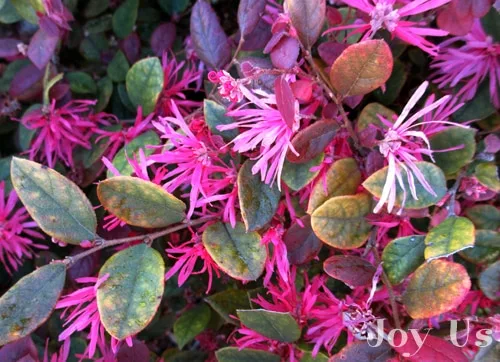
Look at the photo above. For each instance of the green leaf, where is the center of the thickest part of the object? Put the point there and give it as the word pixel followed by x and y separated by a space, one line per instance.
pixel 258 201
pixel 435 288
pixel 8 13
pixel 81 83
pixel 227 302
pixel 298 175
pixel 104 91
pixel 144 83
pixel 478 107
pixel 124 97
pixel 489 281
pixel 484 216
pixel 128 299
pixel 490 24
pixel 139 202
pixel 394 84
pixel 95 7
pixel 452 161
pixel 215 115
pixel 124 18
pixel 190 324
pixel 120 161
pixel 58 206
pixel 28 8
pixel 173 7
pixel 486 248
pixel 362 68
pixel 233 354
pixel 92 46
pixel 29 303
pixel 118 67
pixel 402 256
pixel 369 115
pixel 308 357
pixel 274 325
pixel 340 222
pixel 237 252
pixel 452 235
pixel 487 175
pixel 433 174
pixel 98 25
pixel 342 178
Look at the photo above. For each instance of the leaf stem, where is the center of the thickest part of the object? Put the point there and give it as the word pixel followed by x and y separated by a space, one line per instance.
pixel 147 238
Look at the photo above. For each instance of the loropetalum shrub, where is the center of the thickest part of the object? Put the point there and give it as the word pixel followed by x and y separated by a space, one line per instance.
pixel 255 180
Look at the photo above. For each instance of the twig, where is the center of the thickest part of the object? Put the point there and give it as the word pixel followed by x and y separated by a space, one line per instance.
pixel 147 238
pixel 452 193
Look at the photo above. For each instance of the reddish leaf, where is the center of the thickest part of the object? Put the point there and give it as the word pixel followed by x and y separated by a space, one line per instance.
pixel 362 351
pixel 352 270
pixel 312 140
pixel 329 51
pixel 259 37
pixel 8 47
pixel 449 20
pixel 284 54
pixel 249 14
pixel 27 83
pixel 163 38
pixel 208 37
pixel 44 43
pixel 21 350
pixel 362 68
pixel 131 47
pixel 308 18
pixel 285 101
pixel 302 90
pixel 139 352
pixel 301 243
pixel 432 349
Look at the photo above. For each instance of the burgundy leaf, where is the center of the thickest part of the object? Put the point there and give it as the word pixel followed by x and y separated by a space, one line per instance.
pixel 139 352
pixel 333 16
pixel 284 54
pixel 27 83
pixel 8 47
pixel 312 140
pixel 302 90
pixel 131 47
pixel 259 37
pixel 301 243
pixel 83 267
pixel 352 270
pixel 249 14
pixel 285 100
pixel 44 42
pixel 250 65
pixel 209 40
pixel 308 18
pixel 329 51
pixel 432 349
pixel 23 349
pixel 449 20
pixel 163 38
pixel 362 351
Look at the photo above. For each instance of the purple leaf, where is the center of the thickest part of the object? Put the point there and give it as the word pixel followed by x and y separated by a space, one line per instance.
pixel 163 38
pixel 312 140
pixel 329 51
pixel 131 47
pixel 139 352
pixel 27 83
pixel 352 270
pixel 23 349
pixel 249 14
pixel 284 54
pixel 44 43
pixel 301 243
pixel 208 37
pixel 8 47
pixel 259 37
pixel 285 100
pixel 308 18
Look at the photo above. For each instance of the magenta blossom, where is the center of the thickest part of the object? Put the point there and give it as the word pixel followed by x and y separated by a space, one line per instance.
pixel 58 13
pixel 229 88
pixel 466 61
pixel 16 232
pixel 278 258
pixel 403 145
pixel 384 14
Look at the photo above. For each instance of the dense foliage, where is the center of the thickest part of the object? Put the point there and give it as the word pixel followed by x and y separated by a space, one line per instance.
pixel 298 180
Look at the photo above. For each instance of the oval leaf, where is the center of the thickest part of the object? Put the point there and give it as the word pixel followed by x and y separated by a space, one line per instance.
pixel 249 14
pixel 452 235
pixel 18 314
pixel 231 354
pixel 308 18
pixel 208 37
pixel 434 349
pixel 58 206
pixel 484 216
pixel 452 161
pixel 258 201
pixel 128 299
pixel 124 18
pixel 296 176
pixel 81 82
pixel 302 244
pixel 227 302
pixel 274 325
pixel 486 248
pixel 433 174
pixel 362 68
pixel 340 222
pixel 190 324
pixel 144 83
pixel 352 270
pixel 215 115
pixel 487 175
pixel 312 140
pixel 342 178
pixel 285 100
pixel 139 202
pixel 369 115
pixel 489 281
pixel 436 287
pixel 403 256
pixel 236 252
pixel 362 351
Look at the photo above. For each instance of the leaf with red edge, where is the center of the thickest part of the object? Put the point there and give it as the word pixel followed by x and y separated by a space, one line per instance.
pixel 352 270
pixel 8 47
pixel 362 68
pixel 285 101
pixel 362 351
pixel 249 14
pixel 312 140
pixel 432 349
pixel 44 43
pixel 308 18
pixel 436 287
pixel 208 37
pixel 302 244
pixel 163 38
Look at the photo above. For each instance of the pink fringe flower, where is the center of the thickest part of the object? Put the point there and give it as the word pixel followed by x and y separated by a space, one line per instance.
pixel 385 15
pixel 476 58
pixel 229 88
pixel 278 258
pixel 15 225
